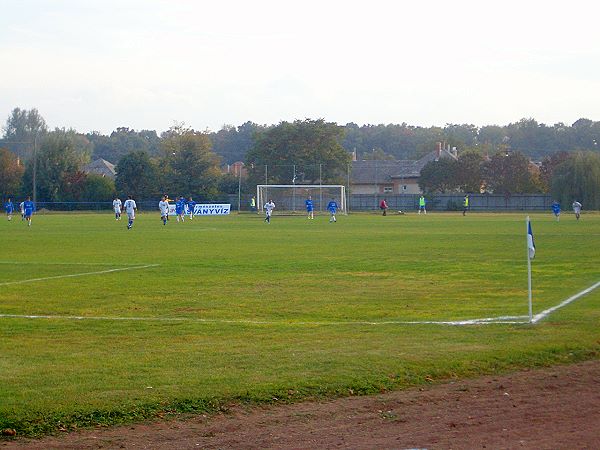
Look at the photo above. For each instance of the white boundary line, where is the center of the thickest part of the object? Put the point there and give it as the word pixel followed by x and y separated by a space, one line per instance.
pixel 549 311
pixel 485 321
pixel 275 322
pixel 72 275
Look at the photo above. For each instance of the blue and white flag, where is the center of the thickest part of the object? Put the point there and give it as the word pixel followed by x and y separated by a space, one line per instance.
pixel 530 242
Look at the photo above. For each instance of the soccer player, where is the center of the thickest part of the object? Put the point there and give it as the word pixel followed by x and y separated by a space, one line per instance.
pixel 9 208
pixel 422 205
pixel 556 209
pixel 383 206
pixel 163 206
pixel 465 204
pixel 180 208
pixel 191 204
pixel 576 208
pixel 309 207
pixel 130 208
pixel 28 209
pixel 332 206
pixel 269 207
pixel 22 209
pixel 117 208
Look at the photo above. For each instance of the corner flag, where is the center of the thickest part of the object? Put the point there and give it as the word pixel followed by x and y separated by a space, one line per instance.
pixel 530 242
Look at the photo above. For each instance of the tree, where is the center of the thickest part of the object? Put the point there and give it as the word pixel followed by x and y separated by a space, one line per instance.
pixel 123 141
pixel 507 173
pixel 469 176
pixel 97 188
pixel 22 129
pixel 377 155
pixel 59 158
pixel 439 176
pixel 299 152
pixel 137 176
pixel 191 166
pixel 548 166
pixel 232 144
pixel 11 173
pixel 578 178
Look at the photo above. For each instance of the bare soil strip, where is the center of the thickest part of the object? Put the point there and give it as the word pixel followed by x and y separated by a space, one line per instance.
pixel 553 408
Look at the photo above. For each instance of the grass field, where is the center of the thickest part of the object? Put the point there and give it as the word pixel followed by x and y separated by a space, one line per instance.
pixel 230 309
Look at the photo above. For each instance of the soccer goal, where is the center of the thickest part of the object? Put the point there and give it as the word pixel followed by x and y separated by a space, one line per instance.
pixel 290 199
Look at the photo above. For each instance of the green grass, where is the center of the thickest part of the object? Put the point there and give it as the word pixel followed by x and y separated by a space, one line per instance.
pixel 310 282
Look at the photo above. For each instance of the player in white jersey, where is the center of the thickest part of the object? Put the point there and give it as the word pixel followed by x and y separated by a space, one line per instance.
pixel 117 204
pixel 269 206
pixel 130 208
pixel 22 208
pixel 163 206
pixel 576 209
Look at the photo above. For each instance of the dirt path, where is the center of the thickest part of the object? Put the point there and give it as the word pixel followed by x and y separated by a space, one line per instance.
pixel 557 408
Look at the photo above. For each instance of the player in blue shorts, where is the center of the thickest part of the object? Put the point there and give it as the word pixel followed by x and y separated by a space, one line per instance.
pixel 309 207
pixel 180 208
pixel 191 204
pixel 28 209
pixel 556 210
pixel 332 206
pixel 9 208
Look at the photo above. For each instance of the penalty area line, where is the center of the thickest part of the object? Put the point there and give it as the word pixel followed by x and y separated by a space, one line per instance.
pixel 73 275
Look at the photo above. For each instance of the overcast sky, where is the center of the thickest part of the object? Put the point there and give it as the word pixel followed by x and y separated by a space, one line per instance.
pixel 101 64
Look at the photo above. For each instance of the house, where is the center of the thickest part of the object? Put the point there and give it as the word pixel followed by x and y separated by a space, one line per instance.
pixel 101 167
pixel 393 177
pixel 236 169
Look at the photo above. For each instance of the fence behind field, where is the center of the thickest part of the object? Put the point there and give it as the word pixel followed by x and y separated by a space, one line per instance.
pixel 452 202
pixel 357 202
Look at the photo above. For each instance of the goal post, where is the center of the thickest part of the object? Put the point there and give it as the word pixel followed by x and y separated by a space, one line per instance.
pixel 290 198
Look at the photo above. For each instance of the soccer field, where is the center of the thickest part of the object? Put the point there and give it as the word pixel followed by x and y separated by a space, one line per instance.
pixel 190 316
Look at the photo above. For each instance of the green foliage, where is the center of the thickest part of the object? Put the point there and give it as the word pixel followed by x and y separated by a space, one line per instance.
pixel 137 176
pixel 508 173
pixel 123 141
pixel 377 155
pixel 11 174
pixel 578 178
pixel 98 188
pixel 232 143
pixel 469 175
pixel 23 127
pixel 191 167
pixel 440 176
pixel 59 158
pixel 312 147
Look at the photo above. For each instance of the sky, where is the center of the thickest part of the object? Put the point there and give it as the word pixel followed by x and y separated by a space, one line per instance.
pixel 97 65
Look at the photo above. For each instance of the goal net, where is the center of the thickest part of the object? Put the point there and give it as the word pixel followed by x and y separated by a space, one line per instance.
pixel 290 199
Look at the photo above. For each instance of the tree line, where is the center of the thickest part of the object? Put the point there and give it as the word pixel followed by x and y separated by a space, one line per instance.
pixel 183 161
pixel 567 176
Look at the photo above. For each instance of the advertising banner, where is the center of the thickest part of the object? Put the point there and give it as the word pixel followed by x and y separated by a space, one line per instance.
pixel 202 209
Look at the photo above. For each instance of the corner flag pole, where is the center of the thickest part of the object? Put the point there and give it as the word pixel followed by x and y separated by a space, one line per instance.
pixel 530 254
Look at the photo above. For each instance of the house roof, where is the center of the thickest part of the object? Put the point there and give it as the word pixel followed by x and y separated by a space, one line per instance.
pixel 373 171
pixel 101 167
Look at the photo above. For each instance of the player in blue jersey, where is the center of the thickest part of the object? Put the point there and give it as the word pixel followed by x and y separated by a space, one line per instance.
pixel 9 208
pixel 332 206
pixel 309 207
pixel 191 204
pixel 28 209
pixel 556 210
pixel 180 208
